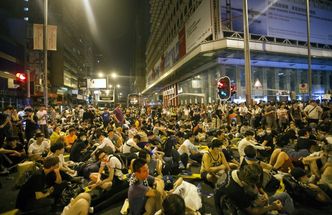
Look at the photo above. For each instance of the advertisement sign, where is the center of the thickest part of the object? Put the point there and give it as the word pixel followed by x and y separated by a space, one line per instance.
pixel 96 83
pixel 38 36
pixel 283 19
pixel 172 53
pixel 199 25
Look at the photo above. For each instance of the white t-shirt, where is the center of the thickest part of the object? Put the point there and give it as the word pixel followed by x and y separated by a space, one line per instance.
pixel 106 142
pixel 41 115
pixel 128 145
pixel 186 147
pixel 312 111
pixel 36 149
pixel 244 143
pixel 113 163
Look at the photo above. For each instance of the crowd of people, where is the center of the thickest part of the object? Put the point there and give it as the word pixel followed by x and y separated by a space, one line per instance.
pixel 275 156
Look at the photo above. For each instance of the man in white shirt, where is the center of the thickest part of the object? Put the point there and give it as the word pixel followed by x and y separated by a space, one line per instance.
pixel 42 120
pixel 104 142
pixel 189 150
pixel 38 148
pixel 313 112
pixel 249 140
pixel 130 145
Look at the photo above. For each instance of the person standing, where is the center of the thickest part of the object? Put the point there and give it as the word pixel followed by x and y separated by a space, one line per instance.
pixel 118 115
pixel 313 112
pixel 42 120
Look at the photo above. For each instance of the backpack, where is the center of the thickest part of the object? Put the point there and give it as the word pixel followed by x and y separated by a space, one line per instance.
pixel 70 191
pixel 123 158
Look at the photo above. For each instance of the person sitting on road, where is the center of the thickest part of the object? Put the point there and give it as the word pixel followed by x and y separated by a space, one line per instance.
pixel 214 163
pixel 145 192
pixel 36 193
pixel 39 148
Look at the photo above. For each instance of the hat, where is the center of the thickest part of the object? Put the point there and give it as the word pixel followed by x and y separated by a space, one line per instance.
pixel 39 134
pixel 297 173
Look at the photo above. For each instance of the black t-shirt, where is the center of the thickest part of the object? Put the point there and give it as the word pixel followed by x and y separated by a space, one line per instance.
pixel 304 143
pixel 228 154
pixel 38 182
pixel 76 151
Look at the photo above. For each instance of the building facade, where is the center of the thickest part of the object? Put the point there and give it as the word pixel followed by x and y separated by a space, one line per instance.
pixel 194 43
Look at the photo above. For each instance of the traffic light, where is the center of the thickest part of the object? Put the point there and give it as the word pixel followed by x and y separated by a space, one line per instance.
pixel 21 77
pixel 224 88
pixel 21 80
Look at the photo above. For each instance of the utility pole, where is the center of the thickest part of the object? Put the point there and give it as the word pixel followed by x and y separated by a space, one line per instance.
pixel 247 66
pixel 45 52
pixel 309 51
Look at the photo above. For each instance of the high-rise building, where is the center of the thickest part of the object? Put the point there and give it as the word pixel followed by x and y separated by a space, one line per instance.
pixel 72 62
pixel 194 43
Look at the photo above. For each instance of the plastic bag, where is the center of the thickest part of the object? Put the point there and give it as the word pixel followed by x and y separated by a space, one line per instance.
pixel 190 195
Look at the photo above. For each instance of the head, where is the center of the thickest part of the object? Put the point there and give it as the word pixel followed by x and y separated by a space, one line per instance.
pixel 101 155
pixel 140 169
pixel 249 134
pixel 174 204
pixel 250 174
pixel 39 137
pixel 145 154
pixel 57 129
pixel 72 131
pixel 51 163
pixel 12 141
pixel 58 148
pixel 215 144
pixel 250 153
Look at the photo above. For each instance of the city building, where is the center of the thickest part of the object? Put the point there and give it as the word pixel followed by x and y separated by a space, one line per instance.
pixel 72 61
pixel 194 43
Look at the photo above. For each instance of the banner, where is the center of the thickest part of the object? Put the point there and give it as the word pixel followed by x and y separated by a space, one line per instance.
pixel 199 25
pixel 38 36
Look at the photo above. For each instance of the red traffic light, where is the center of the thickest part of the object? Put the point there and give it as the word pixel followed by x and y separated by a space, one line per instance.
pixel 21 76
pixel 224 88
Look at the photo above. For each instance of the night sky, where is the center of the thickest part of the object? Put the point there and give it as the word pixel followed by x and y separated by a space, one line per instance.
pixel 115 23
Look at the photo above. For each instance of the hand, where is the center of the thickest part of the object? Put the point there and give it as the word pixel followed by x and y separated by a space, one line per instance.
pixel 277 205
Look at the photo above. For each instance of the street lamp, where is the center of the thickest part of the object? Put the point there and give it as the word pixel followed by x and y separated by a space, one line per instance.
pixel 114 75
pixel 100 74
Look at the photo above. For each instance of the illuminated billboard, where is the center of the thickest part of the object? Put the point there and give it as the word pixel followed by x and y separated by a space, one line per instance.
pixel 283 18
pixel 99 83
